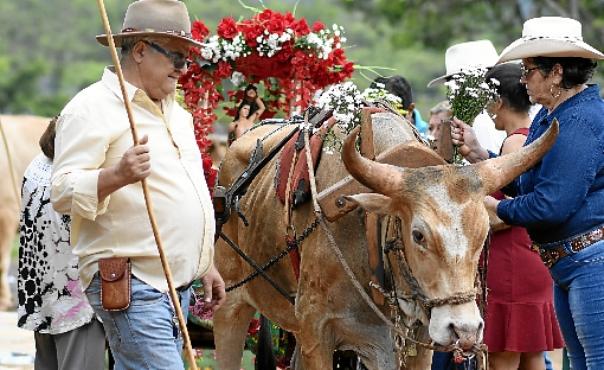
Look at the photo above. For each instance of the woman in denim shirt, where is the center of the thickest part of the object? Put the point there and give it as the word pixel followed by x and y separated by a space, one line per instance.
pixel 560 201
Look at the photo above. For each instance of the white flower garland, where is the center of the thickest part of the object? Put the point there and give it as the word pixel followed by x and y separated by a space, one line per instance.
pixel 346 101
pixel 322 43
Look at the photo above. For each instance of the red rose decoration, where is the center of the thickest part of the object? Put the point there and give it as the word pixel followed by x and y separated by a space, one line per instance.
pixel 199 31
pixel 318 26
pixel 224 70
pixel 301 28
pixel 288 79
pixel 227 28
pixel 251 31
pixel 265 16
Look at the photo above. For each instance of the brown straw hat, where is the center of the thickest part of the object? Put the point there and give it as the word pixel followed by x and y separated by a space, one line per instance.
pixel 158 18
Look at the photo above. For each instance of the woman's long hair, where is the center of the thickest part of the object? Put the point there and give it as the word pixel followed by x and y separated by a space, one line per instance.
pixel 243 104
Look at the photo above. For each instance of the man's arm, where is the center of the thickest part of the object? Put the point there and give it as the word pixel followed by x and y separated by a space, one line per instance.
pixel 78 187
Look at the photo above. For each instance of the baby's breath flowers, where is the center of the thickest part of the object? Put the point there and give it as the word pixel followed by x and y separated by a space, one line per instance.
pixel 469 93
pixel 346 101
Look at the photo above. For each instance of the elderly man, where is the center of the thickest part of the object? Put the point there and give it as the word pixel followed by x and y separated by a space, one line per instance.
pixel 96 178
pixel 440 113
pixel 467 56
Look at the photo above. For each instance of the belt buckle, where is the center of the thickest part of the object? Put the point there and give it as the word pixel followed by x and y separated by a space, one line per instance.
pixel 549 257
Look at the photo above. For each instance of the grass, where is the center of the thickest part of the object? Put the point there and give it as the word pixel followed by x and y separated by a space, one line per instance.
pixel 206 361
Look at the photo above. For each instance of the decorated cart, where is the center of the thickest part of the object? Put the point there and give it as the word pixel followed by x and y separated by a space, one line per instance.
pixel 290 61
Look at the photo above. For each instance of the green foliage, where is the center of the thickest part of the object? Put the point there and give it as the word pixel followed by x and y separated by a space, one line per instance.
pixel 49 51
pixel 437 24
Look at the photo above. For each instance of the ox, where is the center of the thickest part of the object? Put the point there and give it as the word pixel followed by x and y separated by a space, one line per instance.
pixel 22 134
pixel 444 225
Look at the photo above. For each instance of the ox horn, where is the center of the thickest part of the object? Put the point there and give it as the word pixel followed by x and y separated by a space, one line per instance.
pixel 498 172
pixel 380 177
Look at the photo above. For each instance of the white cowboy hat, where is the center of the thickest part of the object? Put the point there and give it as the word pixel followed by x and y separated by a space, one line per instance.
pixel 467 55
pixel 158 18
pixel 550 37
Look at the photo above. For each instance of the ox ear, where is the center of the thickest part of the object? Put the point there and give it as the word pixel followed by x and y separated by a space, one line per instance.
pixel 372 202
pixel 498 172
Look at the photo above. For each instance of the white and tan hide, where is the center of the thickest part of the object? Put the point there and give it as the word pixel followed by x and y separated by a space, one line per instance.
pixel 443 203
pixel 22 134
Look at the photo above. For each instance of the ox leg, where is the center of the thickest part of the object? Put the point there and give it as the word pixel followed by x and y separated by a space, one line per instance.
pixel 231 323
pixel 316 358
pixel 8 226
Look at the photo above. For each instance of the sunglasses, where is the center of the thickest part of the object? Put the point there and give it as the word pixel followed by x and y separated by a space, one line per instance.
pixel 524 72
pixel 179 60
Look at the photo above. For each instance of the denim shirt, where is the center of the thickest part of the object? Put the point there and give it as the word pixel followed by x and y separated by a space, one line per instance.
pixel 562 196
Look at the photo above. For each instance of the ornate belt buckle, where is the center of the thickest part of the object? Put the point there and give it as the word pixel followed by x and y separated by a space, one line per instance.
pixel 549 257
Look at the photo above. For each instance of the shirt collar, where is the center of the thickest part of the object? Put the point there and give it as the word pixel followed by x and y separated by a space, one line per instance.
pixel 590 93
pixel 135 94
pixel 112 82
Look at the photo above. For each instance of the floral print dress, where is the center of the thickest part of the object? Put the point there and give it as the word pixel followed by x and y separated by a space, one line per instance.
pixel 51 298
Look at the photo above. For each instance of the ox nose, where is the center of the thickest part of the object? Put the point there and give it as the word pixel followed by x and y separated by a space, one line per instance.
pixel 466 335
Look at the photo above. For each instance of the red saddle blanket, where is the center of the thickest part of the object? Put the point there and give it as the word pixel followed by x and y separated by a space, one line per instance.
pixel 300 185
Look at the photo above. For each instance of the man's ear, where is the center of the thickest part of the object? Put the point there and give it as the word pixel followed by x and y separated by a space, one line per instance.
pixel 372 202
pixel 138 51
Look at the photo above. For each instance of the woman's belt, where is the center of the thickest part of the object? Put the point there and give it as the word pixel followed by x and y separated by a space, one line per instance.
pixel 550 256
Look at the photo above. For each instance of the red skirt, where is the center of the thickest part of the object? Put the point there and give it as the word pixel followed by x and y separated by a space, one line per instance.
pixel 520 313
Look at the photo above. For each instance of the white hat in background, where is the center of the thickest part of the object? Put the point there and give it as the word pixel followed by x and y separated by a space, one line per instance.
pixel 467 55
pixel 550 37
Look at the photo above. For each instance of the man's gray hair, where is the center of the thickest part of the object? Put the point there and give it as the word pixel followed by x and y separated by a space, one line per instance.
pixel 128 44
pixel 442 107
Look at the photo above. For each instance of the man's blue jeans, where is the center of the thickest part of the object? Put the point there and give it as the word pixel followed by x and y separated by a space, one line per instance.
pixel 146 335
pixel 579 301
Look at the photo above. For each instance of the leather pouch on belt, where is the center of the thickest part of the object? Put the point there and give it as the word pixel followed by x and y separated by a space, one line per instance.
pixel 115 283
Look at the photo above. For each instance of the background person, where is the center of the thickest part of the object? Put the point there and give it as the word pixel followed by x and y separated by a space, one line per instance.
pixel 520 323
pixel 256 104
pixel 560 200
pixel 96 179
pixel 399 86
pixel 52 302
pixel 440 113
pixel 473 55
pixel 243 121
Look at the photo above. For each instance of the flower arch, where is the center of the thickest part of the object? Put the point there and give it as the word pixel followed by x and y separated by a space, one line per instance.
pixel 291 59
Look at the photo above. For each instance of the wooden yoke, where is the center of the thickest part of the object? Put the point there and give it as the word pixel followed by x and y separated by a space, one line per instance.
pixel 372 220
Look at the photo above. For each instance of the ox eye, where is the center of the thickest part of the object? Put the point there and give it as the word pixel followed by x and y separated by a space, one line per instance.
pixel 418 237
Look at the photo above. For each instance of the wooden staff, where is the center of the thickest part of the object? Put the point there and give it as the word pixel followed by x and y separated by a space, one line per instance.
pixel 164 262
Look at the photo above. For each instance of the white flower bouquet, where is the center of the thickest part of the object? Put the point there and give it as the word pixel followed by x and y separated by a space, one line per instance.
pixel 469 93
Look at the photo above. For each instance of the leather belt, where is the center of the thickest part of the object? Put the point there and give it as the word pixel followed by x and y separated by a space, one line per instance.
pixel 550 256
